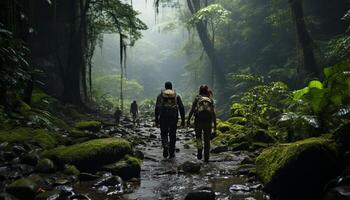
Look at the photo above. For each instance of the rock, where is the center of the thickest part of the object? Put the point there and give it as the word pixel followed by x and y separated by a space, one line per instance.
pixel 9 155
pixel 139 154
pixel 23 188
pixel 219 149
pixel 127 168
pixel 187 146
pixel 71 170
pixel 262 135
pixel 190 167
pixel 87 177
pixel 109 181
pixel 306 166
pixel 18 149
pixel 93 126
pixel 61 181
pixel 223 127
pixel 6 196
pixel 204 193
pixel 241 146
pixel 247 160
pixel 152 136
pixel 79 197
pixel 338 193
pixel 90 155
pixel 239 188
pixel 45 166
pixel 30 159
pixel 49 195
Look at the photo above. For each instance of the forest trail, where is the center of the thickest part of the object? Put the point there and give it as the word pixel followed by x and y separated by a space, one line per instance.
pixel 162 179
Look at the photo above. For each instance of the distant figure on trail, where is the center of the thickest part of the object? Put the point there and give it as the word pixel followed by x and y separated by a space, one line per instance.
pixel 167 108
pixel 117 115
pixel 134 111
pixel 205 117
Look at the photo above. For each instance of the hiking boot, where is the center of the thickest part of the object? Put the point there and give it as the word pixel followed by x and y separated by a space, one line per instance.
pixel 199 154
pixel 165 152
pixel 172 155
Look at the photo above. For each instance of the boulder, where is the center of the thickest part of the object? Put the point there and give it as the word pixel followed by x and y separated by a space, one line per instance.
pixel 23 188
pixel 190 167
pixel 297 170
pixel 90 155
pixel 45 166
pixel 87 177
pixel 48 195
pixel 30 159
pixel 7 196
pixel 93 126
pixel 127 168
pixel 203 193
pixel 71 170
pixel 219 149
pixel 338 193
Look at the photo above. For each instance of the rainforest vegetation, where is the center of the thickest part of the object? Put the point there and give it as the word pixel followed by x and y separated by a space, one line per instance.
pixel 279 71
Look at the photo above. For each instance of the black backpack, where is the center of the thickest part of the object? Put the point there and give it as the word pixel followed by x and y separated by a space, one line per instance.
pixel 168 104
pixel 204 109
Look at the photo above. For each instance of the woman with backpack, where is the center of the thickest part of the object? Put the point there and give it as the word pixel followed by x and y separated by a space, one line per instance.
pixel 204 113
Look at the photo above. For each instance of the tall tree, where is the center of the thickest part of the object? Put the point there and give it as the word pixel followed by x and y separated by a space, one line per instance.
pixel 208 45
pixel 306 42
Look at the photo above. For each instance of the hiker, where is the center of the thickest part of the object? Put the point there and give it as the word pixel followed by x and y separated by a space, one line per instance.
pixel 117 115
pixel 166 115
pixel 204 113
pixel 134 111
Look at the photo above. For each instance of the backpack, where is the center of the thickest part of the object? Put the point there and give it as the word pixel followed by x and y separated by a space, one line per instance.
pixel 204 109
pixel 169 107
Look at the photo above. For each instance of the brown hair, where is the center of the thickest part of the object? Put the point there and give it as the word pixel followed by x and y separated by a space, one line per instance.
pixel 204 90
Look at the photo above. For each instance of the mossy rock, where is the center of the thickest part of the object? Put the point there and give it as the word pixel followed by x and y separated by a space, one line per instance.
pixel 42 137
pixel 45 166
pixel 262 136
pixel 93 126
pixel 71 170
pixel 46 102
pixel 24 188
pixel 127 168
pixel 238 120
pixel 92 154
pixel 305 166
pixel 223 126
pixel 74 133
pixel 53 194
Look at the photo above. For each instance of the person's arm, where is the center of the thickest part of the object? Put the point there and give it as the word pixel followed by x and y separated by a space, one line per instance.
pixel 191 112
pixel 214 117
pixel 157 110
pixel 181 109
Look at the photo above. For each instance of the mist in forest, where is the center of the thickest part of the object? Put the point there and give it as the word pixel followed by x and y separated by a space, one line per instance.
pixel 155 58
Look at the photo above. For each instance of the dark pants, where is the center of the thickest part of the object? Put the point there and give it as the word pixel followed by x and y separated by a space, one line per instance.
pixel 203 130
pixel 168 133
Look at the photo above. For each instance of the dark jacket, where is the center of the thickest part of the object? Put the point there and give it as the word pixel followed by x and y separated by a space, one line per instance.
pixel 180 106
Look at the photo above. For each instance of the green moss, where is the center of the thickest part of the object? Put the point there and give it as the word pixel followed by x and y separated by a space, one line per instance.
pixel 44 101
pixel 41 137
pixel 237 120
pixel 223 126
pixel 273 159
pixel 92 153
pixel 71 170
pixel 89 125
pixel 46 119
pixel 23 108
pixel 133 160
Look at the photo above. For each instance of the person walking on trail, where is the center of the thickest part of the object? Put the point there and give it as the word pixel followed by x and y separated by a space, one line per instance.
pixel 134 111
pixel 117 115
pixel 205 117
pixel 167 108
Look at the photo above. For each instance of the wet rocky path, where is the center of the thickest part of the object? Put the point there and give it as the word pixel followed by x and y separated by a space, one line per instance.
pixel 162 179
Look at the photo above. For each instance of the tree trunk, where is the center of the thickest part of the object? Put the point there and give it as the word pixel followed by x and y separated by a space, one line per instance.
pixel 305 40
pixel 72 79
pixel 194 6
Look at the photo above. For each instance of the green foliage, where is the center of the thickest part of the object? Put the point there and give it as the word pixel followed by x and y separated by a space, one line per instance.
pixel 94 126
pixel 15 70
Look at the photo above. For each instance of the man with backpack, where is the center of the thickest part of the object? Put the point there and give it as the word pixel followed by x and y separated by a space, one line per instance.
pixel 204 113
pixel 166 115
